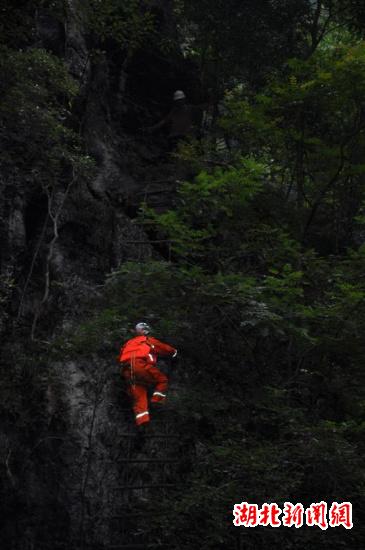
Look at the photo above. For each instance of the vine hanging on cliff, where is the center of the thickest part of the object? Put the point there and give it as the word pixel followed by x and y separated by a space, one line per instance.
pixel 54 216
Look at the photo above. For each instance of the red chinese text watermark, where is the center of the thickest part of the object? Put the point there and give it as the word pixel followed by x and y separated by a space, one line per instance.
pixel 318 514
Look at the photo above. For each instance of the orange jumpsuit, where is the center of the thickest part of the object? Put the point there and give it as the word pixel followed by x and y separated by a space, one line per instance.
pixel 143 372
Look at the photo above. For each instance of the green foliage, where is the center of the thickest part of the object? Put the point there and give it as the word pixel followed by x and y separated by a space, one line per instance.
pixel 264 293
pixel 214 205
pixel 17 22
pixel 37 93
pixel 261 449
pixel 309 127
pixel 265 303
pixel 129 23
pixel 41 150
pixel 233 38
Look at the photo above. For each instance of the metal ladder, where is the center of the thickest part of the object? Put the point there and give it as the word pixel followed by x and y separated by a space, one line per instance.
pixel 147 474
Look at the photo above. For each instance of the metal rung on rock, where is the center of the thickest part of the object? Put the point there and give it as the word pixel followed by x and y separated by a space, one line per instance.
pixel 142 487
pixel 134 546
pixel 151 435
pixel 143 513
pixel 155 460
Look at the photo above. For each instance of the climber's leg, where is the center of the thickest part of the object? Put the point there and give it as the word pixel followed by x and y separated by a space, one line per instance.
pixel 137 390
pixel 140 404
pixel 160 382
pixel 149 375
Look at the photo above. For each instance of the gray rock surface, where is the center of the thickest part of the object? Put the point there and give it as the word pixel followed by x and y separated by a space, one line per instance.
pixel 64 475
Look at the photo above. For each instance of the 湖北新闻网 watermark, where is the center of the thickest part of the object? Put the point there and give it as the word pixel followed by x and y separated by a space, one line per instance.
pixel 318 514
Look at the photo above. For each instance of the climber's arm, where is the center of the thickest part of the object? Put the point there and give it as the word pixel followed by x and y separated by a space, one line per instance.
pixel 160 124
pixel 163 349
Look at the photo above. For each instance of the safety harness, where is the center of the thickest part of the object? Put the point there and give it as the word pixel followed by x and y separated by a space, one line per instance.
pixel 136 348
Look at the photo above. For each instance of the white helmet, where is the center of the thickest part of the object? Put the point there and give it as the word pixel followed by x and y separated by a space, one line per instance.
pixel 179 94
pixel 142 328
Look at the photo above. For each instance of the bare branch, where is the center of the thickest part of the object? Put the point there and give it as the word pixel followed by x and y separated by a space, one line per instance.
pixel 30 273
pixel 55 218
pixel 8 470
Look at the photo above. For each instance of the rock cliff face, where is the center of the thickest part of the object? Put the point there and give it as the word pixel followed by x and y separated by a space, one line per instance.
pixel 116 100
pixel 69 477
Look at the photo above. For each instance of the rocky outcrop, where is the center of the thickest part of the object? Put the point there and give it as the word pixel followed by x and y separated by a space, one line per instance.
pixel 61 477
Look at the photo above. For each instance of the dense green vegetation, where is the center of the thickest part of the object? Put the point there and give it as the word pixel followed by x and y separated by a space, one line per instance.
pixel 264 291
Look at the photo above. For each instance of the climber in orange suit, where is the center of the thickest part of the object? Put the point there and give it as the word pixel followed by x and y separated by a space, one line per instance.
pixel 138 357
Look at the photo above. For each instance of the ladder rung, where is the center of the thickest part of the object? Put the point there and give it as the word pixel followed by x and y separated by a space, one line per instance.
pixel 154 460
pixel 135 546
pixel 137 514
pixel 143 487
pixel 151 435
